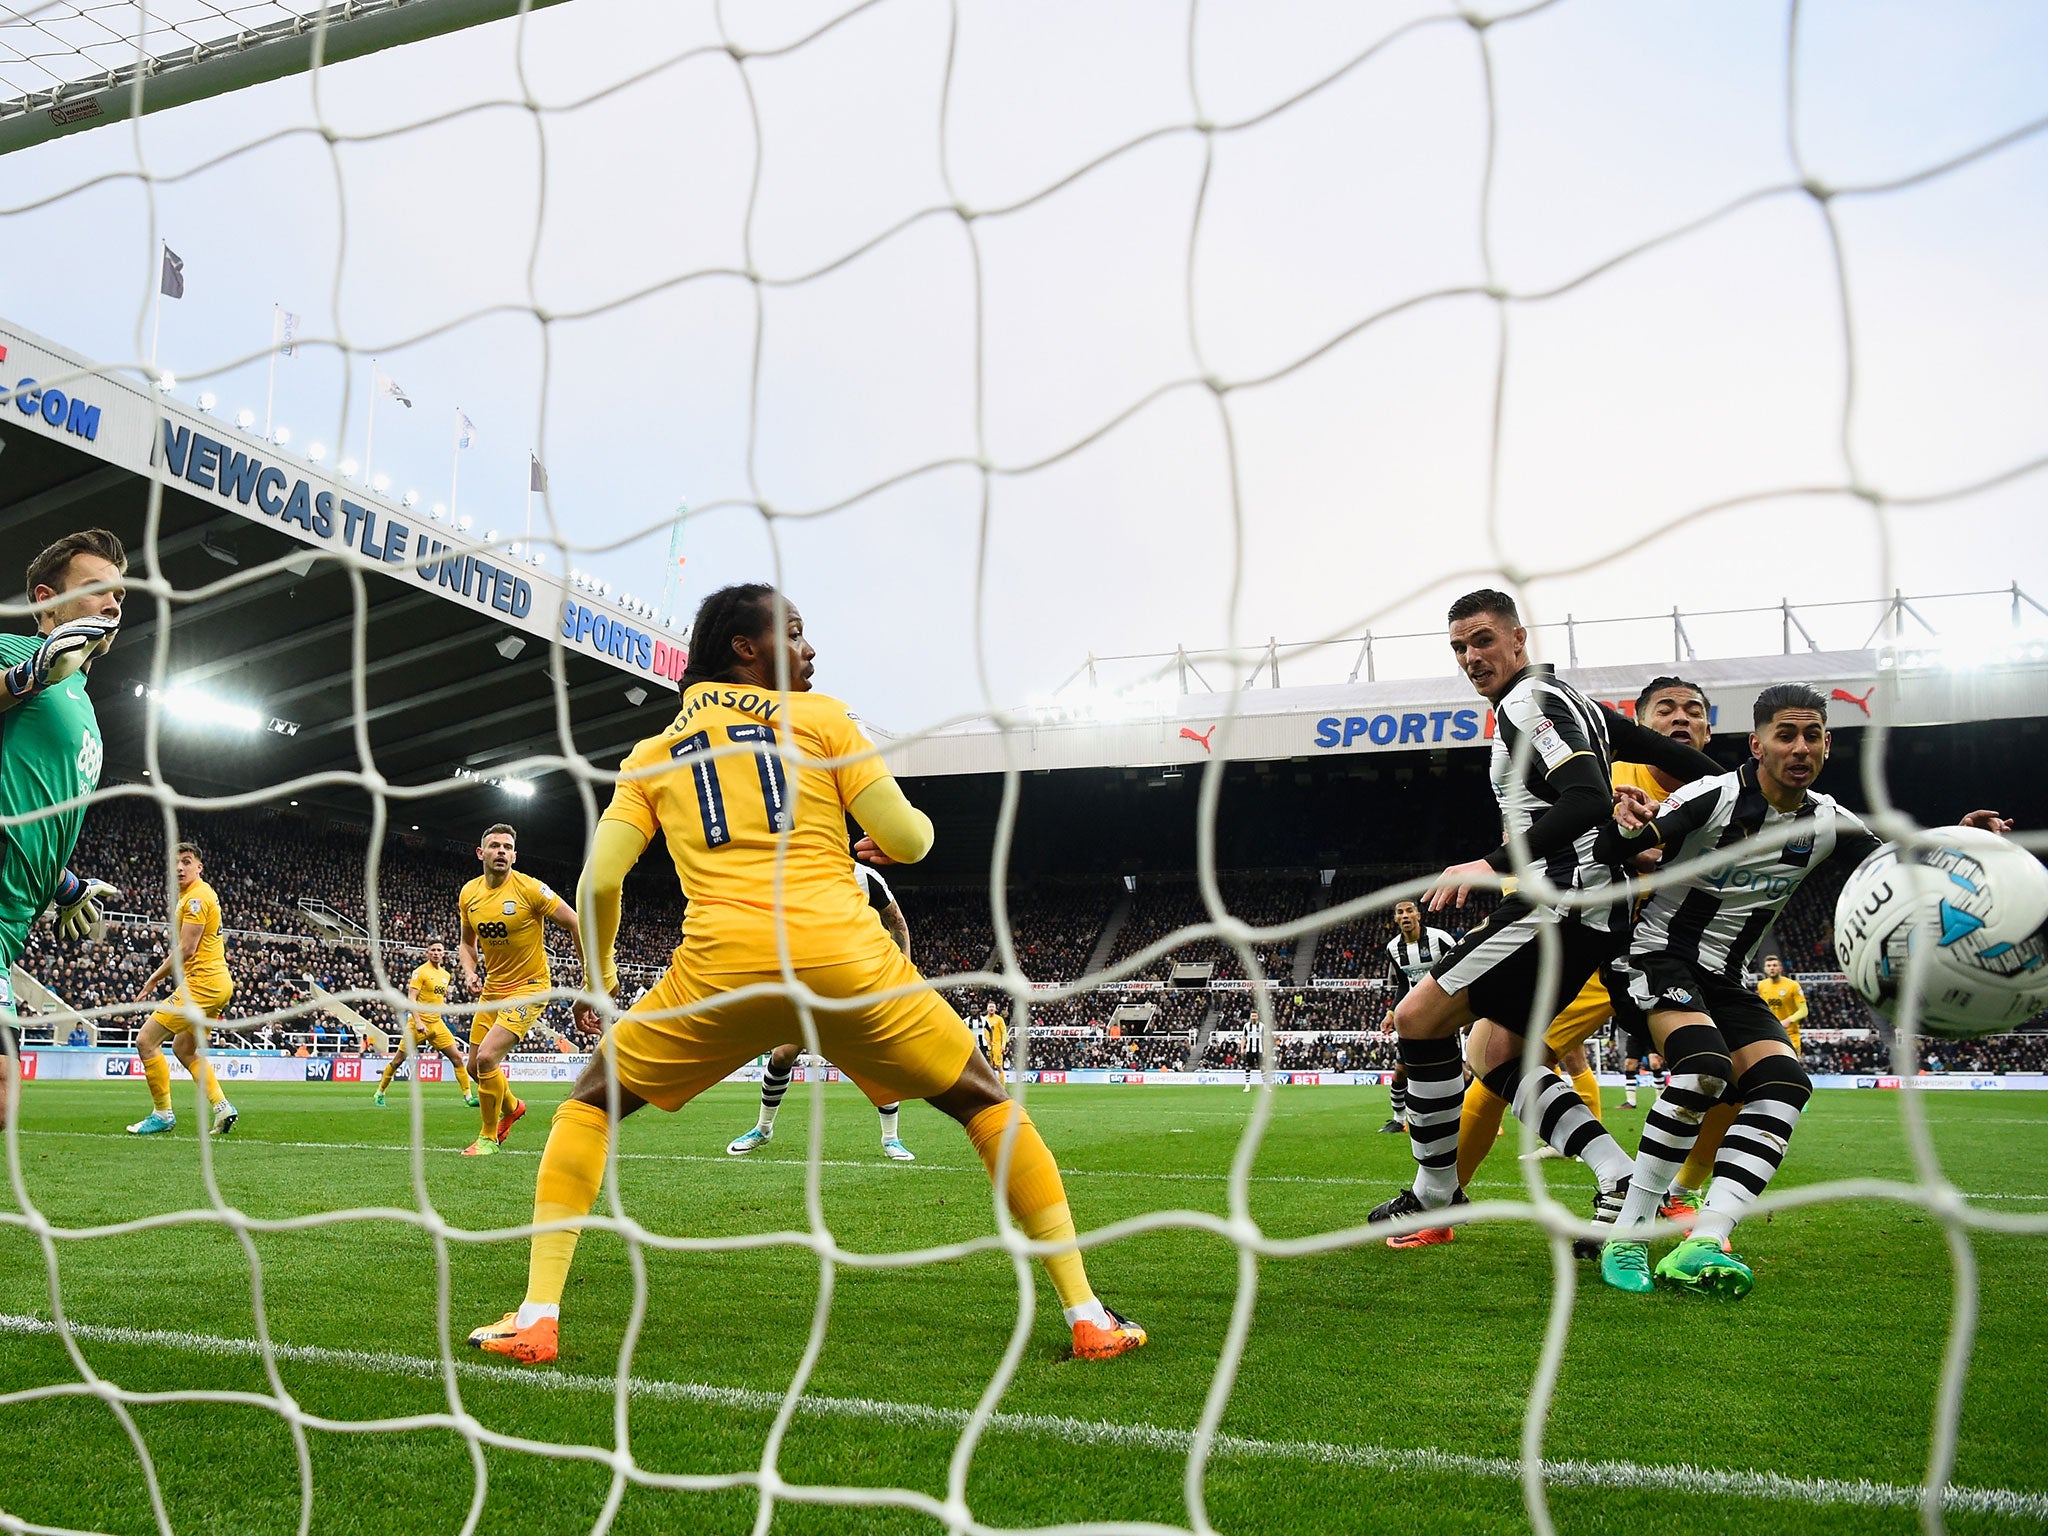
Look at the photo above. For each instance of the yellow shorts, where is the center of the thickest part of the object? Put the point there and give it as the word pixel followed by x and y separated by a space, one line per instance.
pixel 518 1014
pixel 1582 1017
pixel 432 1034
pixel 907 1047
pixel 210 1000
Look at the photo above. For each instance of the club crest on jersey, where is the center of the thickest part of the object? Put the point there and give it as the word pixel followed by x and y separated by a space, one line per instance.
pixel 511 906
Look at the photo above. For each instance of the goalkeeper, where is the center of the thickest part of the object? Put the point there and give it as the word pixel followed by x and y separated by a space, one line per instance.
pixel 760 848
pixel 50 754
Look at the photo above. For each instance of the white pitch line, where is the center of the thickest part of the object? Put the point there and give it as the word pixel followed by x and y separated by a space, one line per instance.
pixel 876 1164
pixel 1610 1474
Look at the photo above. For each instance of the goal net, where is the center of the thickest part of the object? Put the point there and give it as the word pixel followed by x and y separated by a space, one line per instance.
pixel 972 329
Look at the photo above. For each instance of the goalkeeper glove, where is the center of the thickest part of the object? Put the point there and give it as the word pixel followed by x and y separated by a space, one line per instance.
pixel 78 907
pixel 64 650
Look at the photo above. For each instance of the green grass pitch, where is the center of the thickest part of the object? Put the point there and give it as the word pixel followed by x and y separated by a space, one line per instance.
pixel 1378 1390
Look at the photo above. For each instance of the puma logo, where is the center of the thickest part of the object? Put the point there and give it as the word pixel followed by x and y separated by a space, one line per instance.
pixel 1849 698
pixel 1191 734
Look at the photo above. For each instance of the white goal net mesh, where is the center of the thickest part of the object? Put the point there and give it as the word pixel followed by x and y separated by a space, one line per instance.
pixel 1222 376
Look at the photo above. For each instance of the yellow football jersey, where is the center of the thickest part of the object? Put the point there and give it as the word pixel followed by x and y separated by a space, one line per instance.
pixel 510 922
pixel 721 816
pixel 1783 996
pixel 998 1038
pixel 430 988
pixel 1641 776
pixel 209 966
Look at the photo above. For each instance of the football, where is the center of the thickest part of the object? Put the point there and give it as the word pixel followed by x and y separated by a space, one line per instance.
pixel 1969 905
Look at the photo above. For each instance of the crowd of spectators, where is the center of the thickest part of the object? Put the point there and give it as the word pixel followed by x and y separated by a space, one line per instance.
pixel 1160 908
pixel 1357 947
pixel 952 928
pixel 266 861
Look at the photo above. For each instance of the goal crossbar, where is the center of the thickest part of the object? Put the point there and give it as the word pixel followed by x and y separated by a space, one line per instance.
pixel 237 58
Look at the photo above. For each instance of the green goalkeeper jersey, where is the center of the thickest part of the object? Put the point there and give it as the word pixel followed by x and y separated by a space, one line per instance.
pixel 50 752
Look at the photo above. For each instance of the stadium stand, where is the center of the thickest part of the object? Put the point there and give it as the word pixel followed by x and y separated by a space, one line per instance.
pixel 1162 906
pixel 273 865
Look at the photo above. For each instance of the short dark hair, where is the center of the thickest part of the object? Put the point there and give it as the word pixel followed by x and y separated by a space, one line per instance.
pixel 47 569
pixel 1485 600
pixel 193 849
pixel 505 827
pixel 1788 696
pixel 435 938
pixel 1657 685
pixel 746 609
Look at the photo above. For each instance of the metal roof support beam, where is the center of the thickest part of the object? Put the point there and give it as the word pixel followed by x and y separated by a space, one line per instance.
pixel 332 629
pixel 470 726
pixel 58 497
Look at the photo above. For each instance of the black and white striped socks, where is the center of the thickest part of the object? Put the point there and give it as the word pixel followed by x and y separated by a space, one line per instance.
pixel 773 1087
pixel 1562 1120
pixel 1773 1092
pixel 1699 1074
pixel 1436 1094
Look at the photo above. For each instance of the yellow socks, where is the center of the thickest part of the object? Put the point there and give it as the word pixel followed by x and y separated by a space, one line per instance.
pixel 490 1089
pixel 571 1169
pixel 462 1079
pixel 205 1075
pixel 1587 1087
pixel 1699 1167
pixel 157 1073
pixel 390 1071
pixel 1478 1126
pixel 1037 1197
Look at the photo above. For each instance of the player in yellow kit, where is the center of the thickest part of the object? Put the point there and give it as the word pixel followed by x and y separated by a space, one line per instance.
pixel 751 786
pixel 504 929
pixel 421 1028
pixel 1784 996
pixel 202 996
pixel 992 1033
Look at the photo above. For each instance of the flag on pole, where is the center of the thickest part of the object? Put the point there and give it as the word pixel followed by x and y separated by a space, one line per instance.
pixel 388 387
pixel 284 332
pixel 465 429
pixel 537 478
pixel 173 284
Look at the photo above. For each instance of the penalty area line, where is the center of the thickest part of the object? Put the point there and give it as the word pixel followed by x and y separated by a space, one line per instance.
pixel 1569 1473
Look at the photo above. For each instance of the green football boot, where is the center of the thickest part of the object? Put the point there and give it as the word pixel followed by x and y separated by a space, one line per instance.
pixel 1626 1267
pixel 1698 1265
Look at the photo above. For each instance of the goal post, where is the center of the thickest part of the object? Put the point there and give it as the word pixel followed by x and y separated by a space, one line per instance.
pixel 213 57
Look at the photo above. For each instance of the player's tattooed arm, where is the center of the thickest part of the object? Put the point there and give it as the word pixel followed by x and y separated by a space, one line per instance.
pixel 899 930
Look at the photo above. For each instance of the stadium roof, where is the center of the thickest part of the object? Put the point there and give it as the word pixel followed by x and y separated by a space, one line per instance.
pixel 258 551
pixel 1902 687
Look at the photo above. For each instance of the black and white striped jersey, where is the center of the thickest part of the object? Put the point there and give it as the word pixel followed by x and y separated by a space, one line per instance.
pixel 874 887
pixel 1561 724
pixel 1409 963
pixel 1715 919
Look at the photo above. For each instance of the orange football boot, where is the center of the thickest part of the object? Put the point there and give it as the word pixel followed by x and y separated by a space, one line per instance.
pixel 1092 1342
pixel 529 1346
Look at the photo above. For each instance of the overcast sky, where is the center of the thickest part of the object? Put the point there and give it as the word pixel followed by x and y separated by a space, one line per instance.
pixel 1710 367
